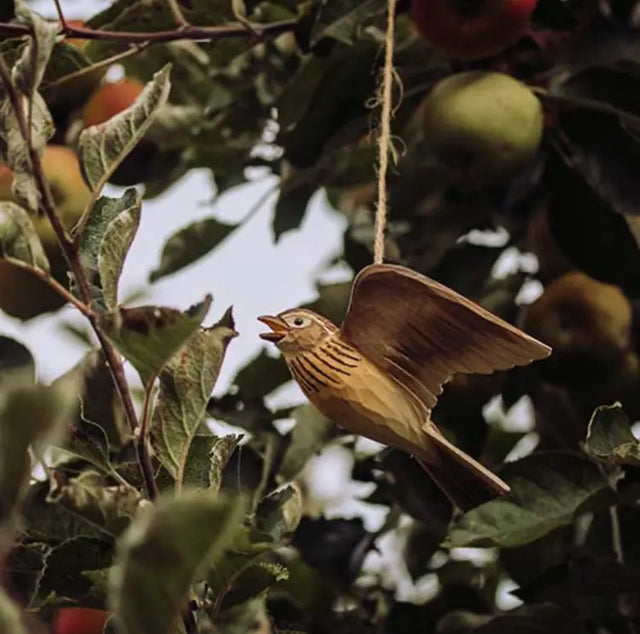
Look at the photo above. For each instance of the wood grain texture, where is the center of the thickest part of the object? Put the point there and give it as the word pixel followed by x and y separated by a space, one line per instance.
pixel 379 375
pixel 422 332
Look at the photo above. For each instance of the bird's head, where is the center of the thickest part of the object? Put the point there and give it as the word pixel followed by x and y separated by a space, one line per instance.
pixel 296 330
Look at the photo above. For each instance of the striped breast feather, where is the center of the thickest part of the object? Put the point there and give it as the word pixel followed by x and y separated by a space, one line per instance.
pixel 327 365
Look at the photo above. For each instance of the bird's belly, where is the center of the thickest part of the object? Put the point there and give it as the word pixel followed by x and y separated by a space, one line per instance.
pixel 369 403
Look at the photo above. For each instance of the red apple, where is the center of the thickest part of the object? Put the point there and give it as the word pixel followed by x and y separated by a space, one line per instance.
pixel 110 99
pixel 78 43
pixel 79 621
pixel 471 29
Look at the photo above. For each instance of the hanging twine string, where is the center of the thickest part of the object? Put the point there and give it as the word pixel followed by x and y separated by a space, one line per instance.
pixel 384 138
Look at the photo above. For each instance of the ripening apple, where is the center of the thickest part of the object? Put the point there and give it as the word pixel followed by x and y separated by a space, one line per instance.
pixel 76 42
pixel 488 125
pixel 21 294
pixel 110 99
pixel 472 29
pixel 79 621
pixel 588 324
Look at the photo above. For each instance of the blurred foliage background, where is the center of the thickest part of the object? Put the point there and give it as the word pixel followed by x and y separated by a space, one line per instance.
pixel 559 554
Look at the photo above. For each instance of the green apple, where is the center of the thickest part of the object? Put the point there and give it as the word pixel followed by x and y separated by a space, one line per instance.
pixel 486 124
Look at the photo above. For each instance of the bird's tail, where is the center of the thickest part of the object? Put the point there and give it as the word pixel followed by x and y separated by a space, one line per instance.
pixel 463 480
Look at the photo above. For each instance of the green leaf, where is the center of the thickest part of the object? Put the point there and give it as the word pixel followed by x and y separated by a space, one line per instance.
pixel 254 580
pixel 99 421
pixel 10 616
pixel 29 69
pixel 226 577
pixel 162 553
pixel 15 152
pixel 311 432
pixel 198 462
pixel 342 22
pixel 250 617
pixel 112 226
pixel 89 443
pixel 261 375
pixel 148 336
pixel 609 437
pixel 174 123
pixel 30 416
pixel 291 207
pixel 186 383
pixel 69 567
pixel 25 566
pixel 108 508
pixel 250 414
pixel 103 147
pixel 18 238
pixel 410 487
pixel 278 514
pixel 27 73
pixel 548 490
pixel 14 356
pixel 43 521
pixel 219 456
pixel 189 244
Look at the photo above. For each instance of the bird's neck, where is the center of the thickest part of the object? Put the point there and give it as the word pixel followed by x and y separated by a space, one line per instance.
pixel 329 344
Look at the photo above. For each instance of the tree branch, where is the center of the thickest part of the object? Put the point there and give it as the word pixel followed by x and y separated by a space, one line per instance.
pixel 47 203
pixel 142 442
pixel 189 32
pixel 60 13
pixel 104 63
pixel 46 277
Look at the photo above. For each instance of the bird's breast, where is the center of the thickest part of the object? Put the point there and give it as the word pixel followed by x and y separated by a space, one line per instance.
pixel 354 393
pixel 327 367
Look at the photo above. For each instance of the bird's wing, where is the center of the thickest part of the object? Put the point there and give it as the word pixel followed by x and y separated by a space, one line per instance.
pixel 421 332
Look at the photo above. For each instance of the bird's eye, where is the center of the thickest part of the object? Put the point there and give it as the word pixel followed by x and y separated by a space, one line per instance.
pixel 298 321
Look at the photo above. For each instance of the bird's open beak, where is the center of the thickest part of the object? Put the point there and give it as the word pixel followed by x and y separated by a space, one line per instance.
pixel 278 328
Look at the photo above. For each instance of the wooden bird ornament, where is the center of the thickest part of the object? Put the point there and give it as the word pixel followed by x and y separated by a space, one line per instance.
pixel 379 375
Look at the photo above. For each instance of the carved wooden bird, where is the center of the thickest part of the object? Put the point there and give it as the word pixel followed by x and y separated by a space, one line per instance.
pixel 380 373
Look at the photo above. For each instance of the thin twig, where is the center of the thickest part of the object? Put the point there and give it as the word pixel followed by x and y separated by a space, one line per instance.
pixel 189 621
pixel 60 13
pixel 257 206
pixel 177 14
pixel 134 50
pixel 46 277
pixel 113 359
pixel 616 535
pixel 587 104
pixel 384 141
pixel 47 198
pixel 142 441
pixel 202 33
